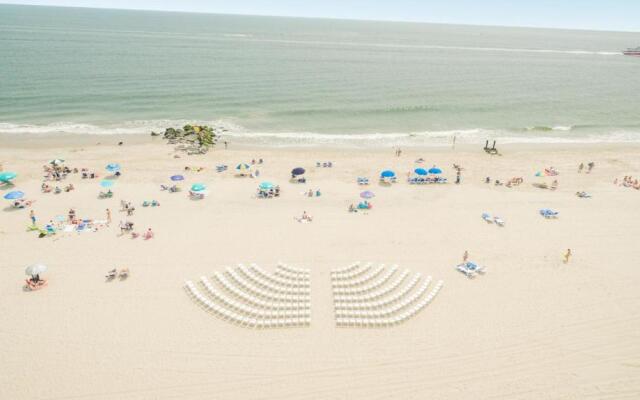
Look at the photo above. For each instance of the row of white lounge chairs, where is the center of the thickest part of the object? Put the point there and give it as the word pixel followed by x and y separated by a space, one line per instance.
pixel 368 297
pixel 251 297
pixel 364 295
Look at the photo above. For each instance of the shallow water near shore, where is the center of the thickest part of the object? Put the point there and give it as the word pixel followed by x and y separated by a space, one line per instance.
pixel 282 81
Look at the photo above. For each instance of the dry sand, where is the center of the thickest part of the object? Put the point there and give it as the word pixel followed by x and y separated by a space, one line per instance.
pixel 532 328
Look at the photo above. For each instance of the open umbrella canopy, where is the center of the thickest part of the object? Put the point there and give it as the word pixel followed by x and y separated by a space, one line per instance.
pixel 266 185
pixel 297 171
pixel 14 195
pixel 7 176
pixel 106 183
pixel 420 171
pixel 176 178
pixel 435 171
pixel 367 194
pixel 243 167
pixel 56 161
pixel 387 174
pixel 198 187
pixel 113 167
pixel 35 269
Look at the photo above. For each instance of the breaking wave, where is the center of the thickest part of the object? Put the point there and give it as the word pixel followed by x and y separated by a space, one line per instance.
pixel 237 134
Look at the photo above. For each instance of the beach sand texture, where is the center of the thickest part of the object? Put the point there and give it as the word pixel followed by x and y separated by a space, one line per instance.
pixel 531 328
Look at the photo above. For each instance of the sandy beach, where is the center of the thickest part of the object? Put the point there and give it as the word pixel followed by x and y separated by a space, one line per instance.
pixel 532 327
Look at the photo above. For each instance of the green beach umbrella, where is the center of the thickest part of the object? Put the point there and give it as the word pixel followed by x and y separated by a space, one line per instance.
pixel 6 177
pixel 266 185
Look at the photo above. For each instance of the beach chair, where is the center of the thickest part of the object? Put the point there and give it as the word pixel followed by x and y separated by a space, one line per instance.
pixel 548 213
pixel 487 218
pixel 111 275
pixel 499 221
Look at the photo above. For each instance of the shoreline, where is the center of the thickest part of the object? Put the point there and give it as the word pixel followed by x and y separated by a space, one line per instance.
pixel 39 141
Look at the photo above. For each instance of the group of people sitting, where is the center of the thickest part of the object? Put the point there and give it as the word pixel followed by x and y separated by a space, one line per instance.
pixel 21 203
pixel 326 164
pixel 56 172
pixel 35 282
pixel 515 181
pixel 268 193
pixel 105 195
pixel 363 205
pixel 312 193
pixel 170 189
pixel 304 218
pixel 86 174
pixel 46 188
pixel 114 273
pixel 127 206
pixel 589 167
pixel 628 181
pixel 421 180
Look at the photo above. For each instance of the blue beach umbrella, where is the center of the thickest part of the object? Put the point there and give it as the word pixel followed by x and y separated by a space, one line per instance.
pixel 297 171
pixel 242 167
pixel 198 187
pixel 7 176
pixel 387 174
pixel 420 171
pixel 113 167
pixel 435 171
pixel 106 183
pixel 176 178
pixel 266 185
pixel 14 195
pixel 367 194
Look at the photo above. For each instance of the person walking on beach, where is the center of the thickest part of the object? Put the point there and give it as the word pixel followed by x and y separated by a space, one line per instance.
pixel 225 144
pixel 108 216
pixel 580 167
pixel 590 165
pixel 32 215
pixel 465 257
pixel 567 255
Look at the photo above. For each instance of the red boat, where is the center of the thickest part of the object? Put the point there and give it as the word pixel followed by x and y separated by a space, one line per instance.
pixel 632 52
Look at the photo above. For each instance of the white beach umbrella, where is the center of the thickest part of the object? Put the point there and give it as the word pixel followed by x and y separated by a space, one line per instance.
pixel 35 269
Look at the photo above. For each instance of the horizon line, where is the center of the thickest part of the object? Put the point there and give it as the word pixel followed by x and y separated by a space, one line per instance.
pixel 322 18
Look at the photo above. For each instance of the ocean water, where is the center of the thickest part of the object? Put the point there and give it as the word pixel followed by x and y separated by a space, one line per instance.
pixel 312 81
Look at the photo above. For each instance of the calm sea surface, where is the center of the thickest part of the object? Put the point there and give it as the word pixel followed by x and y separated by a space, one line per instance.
pixel 292 80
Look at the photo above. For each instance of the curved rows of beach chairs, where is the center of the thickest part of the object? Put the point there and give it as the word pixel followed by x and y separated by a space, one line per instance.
pixel 368 296
pixel 251 297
